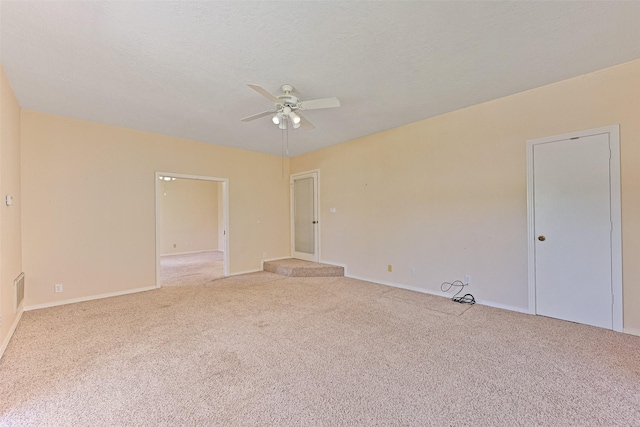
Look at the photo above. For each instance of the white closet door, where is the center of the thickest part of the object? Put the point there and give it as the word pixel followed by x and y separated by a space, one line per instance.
pixel 572 225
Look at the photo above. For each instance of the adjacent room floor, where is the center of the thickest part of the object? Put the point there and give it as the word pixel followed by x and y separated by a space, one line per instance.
pixel 263 349
pixel 191 269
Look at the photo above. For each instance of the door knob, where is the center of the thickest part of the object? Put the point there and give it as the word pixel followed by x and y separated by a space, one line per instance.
pixel 542 238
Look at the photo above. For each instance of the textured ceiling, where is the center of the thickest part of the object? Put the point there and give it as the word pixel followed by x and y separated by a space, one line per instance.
pixel 181 68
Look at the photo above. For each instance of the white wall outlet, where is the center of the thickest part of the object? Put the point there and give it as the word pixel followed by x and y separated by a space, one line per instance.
pixel 58 287
pixel 467 280
pixel 264 255
pixel 332 210
pixel 413 271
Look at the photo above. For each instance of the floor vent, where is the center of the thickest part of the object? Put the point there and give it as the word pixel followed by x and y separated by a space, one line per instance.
pixel 18 284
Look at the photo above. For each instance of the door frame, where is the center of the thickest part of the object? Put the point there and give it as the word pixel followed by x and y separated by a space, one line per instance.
pixel 312 173
pixel 616 218
pixel 225 213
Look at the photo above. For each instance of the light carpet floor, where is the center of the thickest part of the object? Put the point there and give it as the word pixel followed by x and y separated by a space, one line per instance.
pixel 268 350
pixel 299 268
pixel 191 269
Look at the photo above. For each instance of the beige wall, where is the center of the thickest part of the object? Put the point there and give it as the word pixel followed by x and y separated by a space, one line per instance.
pixel 10 216
pixel 89 204
pixel 448 195
pixel 188 216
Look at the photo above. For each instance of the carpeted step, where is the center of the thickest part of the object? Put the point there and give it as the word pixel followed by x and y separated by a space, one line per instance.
pixel 299 268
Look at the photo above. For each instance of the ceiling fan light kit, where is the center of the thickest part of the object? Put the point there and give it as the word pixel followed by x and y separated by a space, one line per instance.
pixel 295 119
pixel 288 108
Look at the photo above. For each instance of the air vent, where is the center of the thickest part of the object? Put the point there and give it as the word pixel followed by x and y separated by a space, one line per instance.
pixel 18 285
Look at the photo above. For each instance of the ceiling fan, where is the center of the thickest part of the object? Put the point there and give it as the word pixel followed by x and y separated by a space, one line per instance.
pixel 287 107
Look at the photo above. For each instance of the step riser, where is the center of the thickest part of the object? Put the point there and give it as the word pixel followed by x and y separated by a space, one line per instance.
pixel 298 268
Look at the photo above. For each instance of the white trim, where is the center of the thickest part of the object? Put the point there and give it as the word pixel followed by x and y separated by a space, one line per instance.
pixel 192 252
pixel 523 310
pixel 89 298
pixel 239 273
pixel 531 254
pixel 440 294
pixel 397 285
pixel 318 215
pixel 616 222
pixel 616 217
pixel 315 173
pixel 12 329
pixel 225 213
pixel 631 331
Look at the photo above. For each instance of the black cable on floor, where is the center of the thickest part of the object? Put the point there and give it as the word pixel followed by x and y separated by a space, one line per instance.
pixel 465 299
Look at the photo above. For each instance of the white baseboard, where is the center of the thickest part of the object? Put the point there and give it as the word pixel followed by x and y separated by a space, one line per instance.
pixel 503 306
pixel 276 259
pixel 89 298
pixel 396 285
pixel 440 294
pixel 192 252
pixel 6 340
pixel 631 331
pixel 238 273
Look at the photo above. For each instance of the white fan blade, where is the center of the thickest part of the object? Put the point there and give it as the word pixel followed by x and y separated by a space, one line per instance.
pixel 262 91
pixel 257 116
pixel 320 103
pixel 304 123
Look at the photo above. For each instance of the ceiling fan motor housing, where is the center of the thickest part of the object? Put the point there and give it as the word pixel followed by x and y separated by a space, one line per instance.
pixel 289 101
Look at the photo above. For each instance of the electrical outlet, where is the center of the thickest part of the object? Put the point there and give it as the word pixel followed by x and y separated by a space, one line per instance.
pixel 413 271
pixel 58 287
pixel 264 254
pixel 467 280
pixel 389 268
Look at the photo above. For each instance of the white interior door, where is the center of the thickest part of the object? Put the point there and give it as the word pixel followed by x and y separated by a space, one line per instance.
pixel 573 229
pixel 304 216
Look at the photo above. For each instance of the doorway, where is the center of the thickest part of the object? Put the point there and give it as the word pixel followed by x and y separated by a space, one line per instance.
pixel 305 222
pixel 575 257
pixel 192 245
